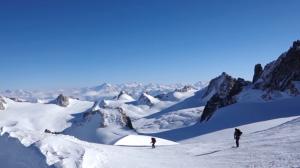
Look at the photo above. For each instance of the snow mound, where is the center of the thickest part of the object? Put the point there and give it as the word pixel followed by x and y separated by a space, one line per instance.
pixel 123 96
pixel 142 140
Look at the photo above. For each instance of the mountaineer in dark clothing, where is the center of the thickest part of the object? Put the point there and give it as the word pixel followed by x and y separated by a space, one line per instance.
pixel 153 141
pixel 237 135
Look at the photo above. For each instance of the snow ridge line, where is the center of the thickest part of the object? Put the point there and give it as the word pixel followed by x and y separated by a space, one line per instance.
pixel 279 126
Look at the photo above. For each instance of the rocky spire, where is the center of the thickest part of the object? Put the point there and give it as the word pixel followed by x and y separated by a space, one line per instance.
pixel 2 103
pixel 230 87
pixel 62 100
pixel 257 72
pixel 280 74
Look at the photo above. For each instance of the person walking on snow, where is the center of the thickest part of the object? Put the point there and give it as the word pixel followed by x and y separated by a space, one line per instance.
pixel 153 141
pixel 237 135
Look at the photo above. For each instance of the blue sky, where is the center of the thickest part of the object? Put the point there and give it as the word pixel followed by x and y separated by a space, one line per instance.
pixel 57 43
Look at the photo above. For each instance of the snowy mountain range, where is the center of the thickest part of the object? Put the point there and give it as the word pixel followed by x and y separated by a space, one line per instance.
pixel 112 125
pixel 103 91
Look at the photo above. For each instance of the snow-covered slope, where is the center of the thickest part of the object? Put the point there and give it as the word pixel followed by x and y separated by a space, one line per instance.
pixel 38 117
pixel 235 115
pixel 15 155
pixel 125 97
pixel 142 140
pixel 169 120
pixel 265 125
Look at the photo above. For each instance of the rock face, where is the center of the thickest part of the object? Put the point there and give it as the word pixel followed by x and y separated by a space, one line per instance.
pixel 2 103
pixel 186 88
pixel 62 100
pixel 280 74
pixel 146 99
pixel 258 70
pixel 220 85
pixel 177 94
pixel 225 93
pixel 114 116
pixel 109 115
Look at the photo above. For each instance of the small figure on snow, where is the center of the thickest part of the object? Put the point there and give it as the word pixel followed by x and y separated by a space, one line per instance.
pixel 50 132
pixel 153 141
pixel 237 135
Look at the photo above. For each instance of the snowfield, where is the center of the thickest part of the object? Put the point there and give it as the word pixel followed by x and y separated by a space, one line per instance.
pixel 141 140
pixel 270 136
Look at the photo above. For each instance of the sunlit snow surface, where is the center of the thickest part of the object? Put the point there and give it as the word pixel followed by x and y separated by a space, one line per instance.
pixel 270 138
pixel 141 140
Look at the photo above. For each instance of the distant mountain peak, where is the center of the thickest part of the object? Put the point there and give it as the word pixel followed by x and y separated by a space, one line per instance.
pixel 146 99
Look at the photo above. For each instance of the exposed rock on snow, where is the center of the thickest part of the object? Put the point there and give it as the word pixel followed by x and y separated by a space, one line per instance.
pixel 220 85
pixel 124 96
pixel 99 104
pixel 146 99
pixel 115 116
pixel 177 94
pixel 186 88
pixel 280 74
pixel 61 100
pixel 258 70
pixel 17 99
pixel 225 95
pixel 101 126
pixel 2 103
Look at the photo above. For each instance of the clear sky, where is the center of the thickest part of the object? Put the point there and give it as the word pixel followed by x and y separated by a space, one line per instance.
pixel 57 43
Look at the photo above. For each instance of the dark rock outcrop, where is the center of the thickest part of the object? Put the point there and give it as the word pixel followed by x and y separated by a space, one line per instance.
pixel 280 74
pixel 124 96
pixel 61 100
pixel 2 103
pixel 186 88
pixel 125 119
pixel 220 85
pixel 224 98
pixel 258 70
pixel 17 99
pixel 115 116
pixel 121 94
pixel 146 99
pixel 109 115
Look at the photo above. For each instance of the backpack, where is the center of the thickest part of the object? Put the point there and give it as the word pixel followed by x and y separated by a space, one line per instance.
pixel 240 132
